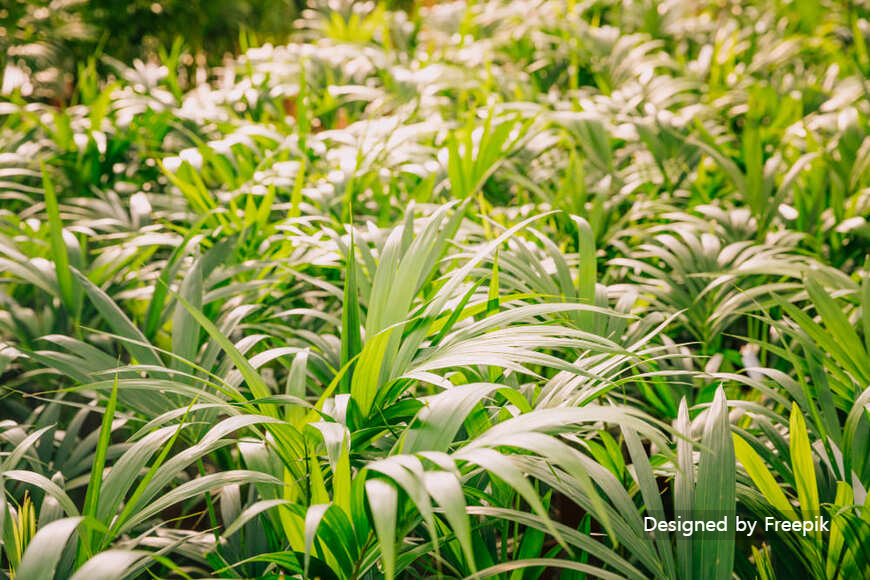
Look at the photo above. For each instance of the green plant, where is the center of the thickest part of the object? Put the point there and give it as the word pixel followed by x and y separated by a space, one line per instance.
pixel 463 291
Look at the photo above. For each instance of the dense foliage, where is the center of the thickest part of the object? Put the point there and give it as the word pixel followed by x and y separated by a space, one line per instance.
pixel 463 292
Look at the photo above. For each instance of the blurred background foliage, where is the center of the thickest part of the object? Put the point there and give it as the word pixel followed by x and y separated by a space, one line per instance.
pixel 42 41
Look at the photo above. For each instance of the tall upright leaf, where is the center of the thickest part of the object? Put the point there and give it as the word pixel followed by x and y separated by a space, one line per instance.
pixel 715 493
pixel 70 293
